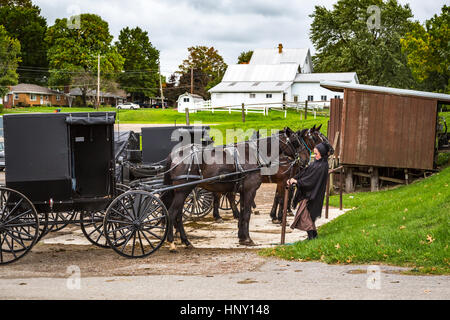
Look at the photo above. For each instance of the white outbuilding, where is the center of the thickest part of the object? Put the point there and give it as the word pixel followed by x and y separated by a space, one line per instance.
pixel 190 101
pixel 274 78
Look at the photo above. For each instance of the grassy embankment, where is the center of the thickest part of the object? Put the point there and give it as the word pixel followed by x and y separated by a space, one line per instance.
pixel 407 226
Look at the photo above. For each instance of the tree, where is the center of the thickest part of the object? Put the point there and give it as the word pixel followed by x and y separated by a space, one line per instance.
pixel 9 60
pixel 208 67
pixel 141 75
pixel 26 24
pixel 18 3
pixel 73 54
pixel 245 57
pixel 428 51
pixel 358 36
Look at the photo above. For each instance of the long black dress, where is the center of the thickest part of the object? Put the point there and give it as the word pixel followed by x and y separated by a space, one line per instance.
pixel 311 185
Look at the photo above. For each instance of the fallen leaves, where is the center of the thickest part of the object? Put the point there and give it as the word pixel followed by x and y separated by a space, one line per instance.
pixel 402 227
pixel 430 239
pixel 337 246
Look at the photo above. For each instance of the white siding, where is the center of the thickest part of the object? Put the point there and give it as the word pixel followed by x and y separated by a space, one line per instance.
pixel 232 99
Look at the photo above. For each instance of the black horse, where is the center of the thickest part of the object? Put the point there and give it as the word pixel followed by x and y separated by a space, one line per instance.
pixel 305 140
pixel 192 162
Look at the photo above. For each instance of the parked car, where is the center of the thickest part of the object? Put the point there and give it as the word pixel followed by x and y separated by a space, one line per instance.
pixel 158 105
pixel 128 105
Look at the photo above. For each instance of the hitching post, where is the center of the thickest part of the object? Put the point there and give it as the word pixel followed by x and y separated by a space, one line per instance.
pixel 283 221
pixel 306 109
pixel 186 110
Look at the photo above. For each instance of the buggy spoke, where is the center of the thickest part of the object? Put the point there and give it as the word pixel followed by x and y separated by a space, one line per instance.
pixel 120 214
pixel 148 240
pixel 17 217
pixel 140 241
pixel 126 241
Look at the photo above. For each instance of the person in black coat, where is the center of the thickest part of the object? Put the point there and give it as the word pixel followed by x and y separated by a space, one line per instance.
pixel 311 184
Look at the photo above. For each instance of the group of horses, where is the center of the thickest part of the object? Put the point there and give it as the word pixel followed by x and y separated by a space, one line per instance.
pixel 290 151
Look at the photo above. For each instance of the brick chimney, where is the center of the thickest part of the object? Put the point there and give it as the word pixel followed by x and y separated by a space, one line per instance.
pixel 280 48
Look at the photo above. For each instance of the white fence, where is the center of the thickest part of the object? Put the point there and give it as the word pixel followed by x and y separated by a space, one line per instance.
pixel 313 106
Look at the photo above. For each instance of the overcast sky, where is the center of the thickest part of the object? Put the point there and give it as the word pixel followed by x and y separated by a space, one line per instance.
pixel 230 26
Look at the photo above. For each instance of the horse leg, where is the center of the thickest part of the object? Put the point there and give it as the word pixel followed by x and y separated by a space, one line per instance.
pixel 244 218
pixel 216 204
pixel 232 200
pixel 175 218
pixel 274 206
pixel 278 203
pixel 281 205
pixel 290 196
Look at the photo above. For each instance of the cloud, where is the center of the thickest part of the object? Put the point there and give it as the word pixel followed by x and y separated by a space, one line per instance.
pixel 230 26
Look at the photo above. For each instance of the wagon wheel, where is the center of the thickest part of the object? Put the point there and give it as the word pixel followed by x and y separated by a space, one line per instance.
pixel 198 204
pixel 19 225
pixel 136 224
pixel 92 222
pixel 61 220
pixel 92 227
pixel 224 204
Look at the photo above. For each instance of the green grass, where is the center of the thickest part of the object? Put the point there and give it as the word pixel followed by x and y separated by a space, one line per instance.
pixel 407 226
pixel 221 120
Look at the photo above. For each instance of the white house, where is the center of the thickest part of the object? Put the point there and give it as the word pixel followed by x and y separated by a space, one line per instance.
pixel 190 101
pixel 276 77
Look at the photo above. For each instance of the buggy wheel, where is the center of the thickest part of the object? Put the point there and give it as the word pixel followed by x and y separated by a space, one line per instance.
pixel 224 204
pixel 92 222
pixel 19 225
pixel 61 220
pixel 198 204
pixel 92 227
pixel 136 224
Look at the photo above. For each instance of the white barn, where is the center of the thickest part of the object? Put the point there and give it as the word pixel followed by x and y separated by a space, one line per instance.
pixel 189 101
pixel 275 77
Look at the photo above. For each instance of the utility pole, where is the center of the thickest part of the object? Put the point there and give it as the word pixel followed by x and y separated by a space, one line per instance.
pixel 192 80
pixel 98 83
pixel 160 86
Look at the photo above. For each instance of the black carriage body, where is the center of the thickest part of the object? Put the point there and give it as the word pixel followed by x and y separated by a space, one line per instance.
pixel 61 161
pixel 157 142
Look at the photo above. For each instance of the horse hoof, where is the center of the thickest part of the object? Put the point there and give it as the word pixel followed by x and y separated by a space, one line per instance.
pixel 247 242
pixel 290 214
pixel 172 247
pixel 256 212
pixel 219 220
pixel 276 221
pixel 189 246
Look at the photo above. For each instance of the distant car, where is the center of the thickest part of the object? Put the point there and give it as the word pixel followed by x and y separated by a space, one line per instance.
pixel 128 105
pixel 157 105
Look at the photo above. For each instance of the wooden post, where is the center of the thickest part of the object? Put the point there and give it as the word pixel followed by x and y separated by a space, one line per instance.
pixel 406 177
pixel 374 179
pixel 186 110
pixel 341 177
pixel 283 220
pixel 306 109
pixel 243 112
pixel 349 188
pixel 327 198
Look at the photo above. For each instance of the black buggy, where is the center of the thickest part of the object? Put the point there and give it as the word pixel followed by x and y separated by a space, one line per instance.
pixel 137 169
pixel 62 166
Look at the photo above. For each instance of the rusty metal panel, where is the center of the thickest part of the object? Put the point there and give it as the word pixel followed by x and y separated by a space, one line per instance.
pixel 387 130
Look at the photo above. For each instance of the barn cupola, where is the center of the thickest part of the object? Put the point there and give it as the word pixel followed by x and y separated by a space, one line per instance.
pixel 280 48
